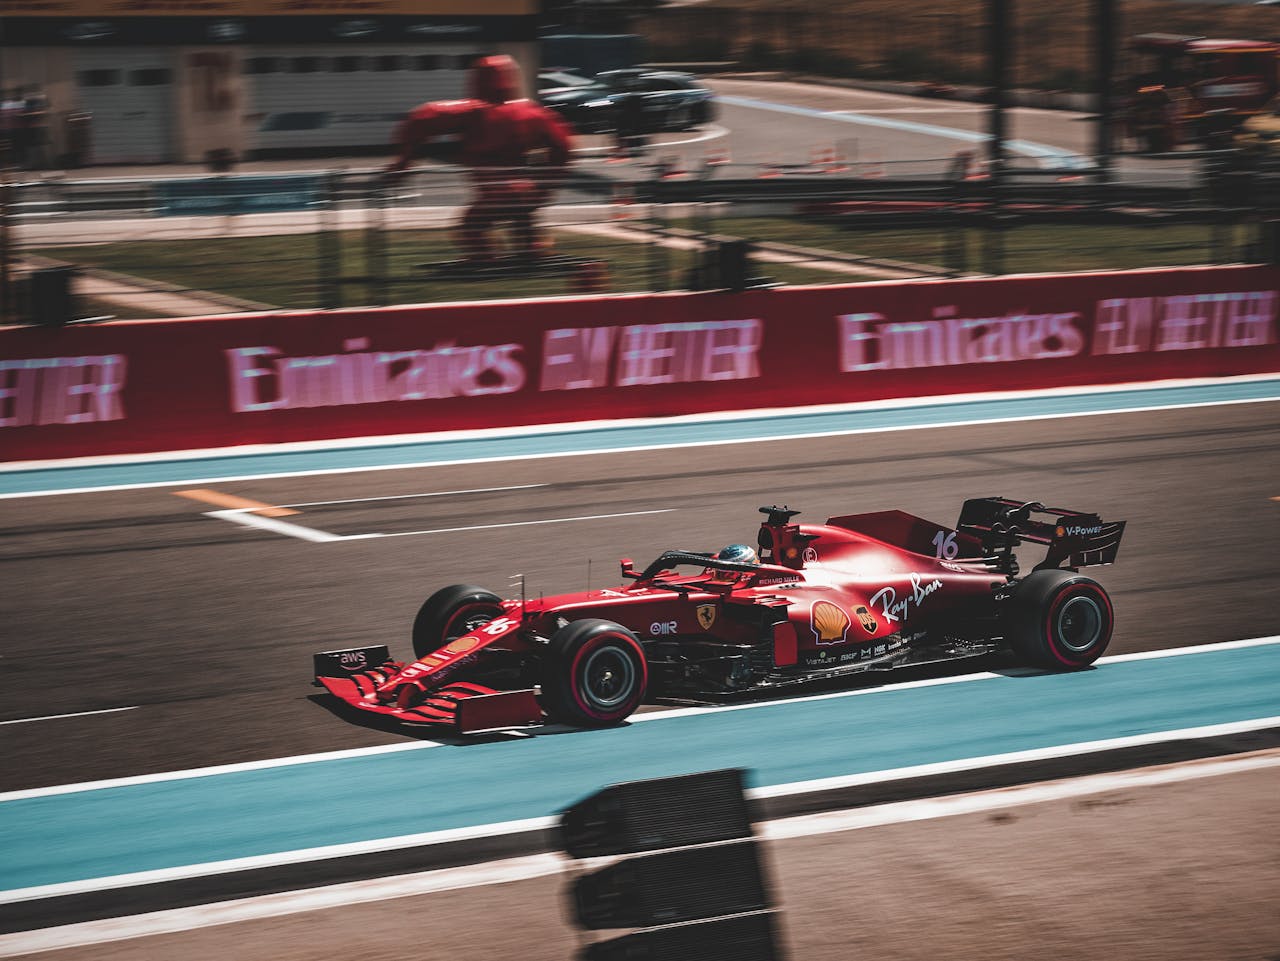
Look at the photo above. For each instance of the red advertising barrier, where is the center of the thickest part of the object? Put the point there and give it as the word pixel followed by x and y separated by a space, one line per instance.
pixel 147 386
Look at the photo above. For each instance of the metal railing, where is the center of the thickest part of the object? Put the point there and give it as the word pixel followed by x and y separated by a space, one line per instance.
pixel 205 245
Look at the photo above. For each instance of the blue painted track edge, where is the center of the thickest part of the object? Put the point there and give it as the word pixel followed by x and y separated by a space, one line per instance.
pixel 567 439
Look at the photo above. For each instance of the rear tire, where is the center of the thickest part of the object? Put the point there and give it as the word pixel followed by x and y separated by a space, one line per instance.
pixel 451 612
pixel 594 674
pixel 1059 620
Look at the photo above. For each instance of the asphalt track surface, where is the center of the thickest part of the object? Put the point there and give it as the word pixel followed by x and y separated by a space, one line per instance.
pixel 203 629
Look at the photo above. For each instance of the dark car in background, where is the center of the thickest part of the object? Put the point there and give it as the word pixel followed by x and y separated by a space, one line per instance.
pixel 654 99
pixel 560 79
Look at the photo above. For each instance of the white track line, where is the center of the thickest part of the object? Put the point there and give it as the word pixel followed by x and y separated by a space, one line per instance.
pixel 923 809
pixel 245 517
pixel 1014 757
pixel 397 440
pixel 638 718
pixel 59 717
pixel 604 426
pixel 337 896
pixel 256 862
pixel 248 517
pixel 217 769
pixel 1195 649
pixel 403 497
pixel 490 527
pixel 328 852
pixel 940 681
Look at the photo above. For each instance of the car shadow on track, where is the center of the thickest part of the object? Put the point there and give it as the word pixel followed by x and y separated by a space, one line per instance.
pixel 1001 664
pixel 428 732
pixel 389 725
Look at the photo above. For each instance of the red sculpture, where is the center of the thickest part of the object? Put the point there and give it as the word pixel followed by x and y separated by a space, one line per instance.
pixel 516 149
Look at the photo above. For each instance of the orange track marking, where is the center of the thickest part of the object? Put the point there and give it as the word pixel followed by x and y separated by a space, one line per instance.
pixel 218 499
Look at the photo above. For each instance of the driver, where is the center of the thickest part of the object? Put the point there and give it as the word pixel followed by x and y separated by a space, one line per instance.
pixel 739 553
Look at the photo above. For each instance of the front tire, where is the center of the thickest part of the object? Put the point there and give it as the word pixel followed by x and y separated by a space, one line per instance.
pixel 451 612
pixel 594 674
pixel 1060 620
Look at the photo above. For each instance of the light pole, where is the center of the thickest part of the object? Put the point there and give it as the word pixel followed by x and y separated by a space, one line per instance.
pixel 999 52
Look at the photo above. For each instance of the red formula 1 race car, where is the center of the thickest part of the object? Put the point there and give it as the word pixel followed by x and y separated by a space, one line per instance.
pixel 861 592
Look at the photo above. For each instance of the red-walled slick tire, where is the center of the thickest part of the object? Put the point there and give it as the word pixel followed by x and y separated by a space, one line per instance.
pixel 1060 620
pixel 451 612
pixel 594 674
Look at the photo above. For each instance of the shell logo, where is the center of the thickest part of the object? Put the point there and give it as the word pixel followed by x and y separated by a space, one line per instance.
pixel 828 622
pixel 461 645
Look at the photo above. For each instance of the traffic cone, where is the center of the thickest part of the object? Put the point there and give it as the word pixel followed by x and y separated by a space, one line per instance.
pixel 977 171
pixel 839 162
pixel 717 157
pixel 618 155
pixel 671 168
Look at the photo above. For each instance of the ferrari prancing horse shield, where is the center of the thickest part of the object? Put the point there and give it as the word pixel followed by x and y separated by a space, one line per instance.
pixel 706 615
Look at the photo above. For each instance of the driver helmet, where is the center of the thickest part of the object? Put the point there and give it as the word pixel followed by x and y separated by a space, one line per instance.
pixel 739 553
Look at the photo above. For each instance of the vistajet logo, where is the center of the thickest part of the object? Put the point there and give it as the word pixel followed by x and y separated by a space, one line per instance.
pixel 262 378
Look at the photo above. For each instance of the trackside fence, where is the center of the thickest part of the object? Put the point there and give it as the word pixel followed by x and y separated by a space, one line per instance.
pixel 227 243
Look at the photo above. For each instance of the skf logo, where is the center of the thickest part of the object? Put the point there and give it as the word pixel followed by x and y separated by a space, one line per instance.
pixel 828 622
pixel 662 627
pixel 706 615
pixel 868 622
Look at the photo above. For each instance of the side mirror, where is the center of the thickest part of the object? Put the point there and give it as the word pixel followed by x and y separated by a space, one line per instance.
pixel 628 568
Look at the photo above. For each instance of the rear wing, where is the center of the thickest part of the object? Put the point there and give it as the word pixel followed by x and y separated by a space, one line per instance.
pixel 1077 538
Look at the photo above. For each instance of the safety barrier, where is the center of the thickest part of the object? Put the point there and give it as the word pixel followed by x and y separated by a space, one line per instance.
pixel 146 386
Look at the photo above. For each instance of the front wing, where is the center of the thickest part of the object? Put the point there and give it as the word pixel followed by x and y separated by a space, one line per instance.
pixel 465 707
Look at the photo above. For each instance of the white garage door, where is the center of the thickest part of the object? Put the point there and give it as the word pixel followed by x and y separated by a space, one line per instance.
pixel 129 92
pixel 304 97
